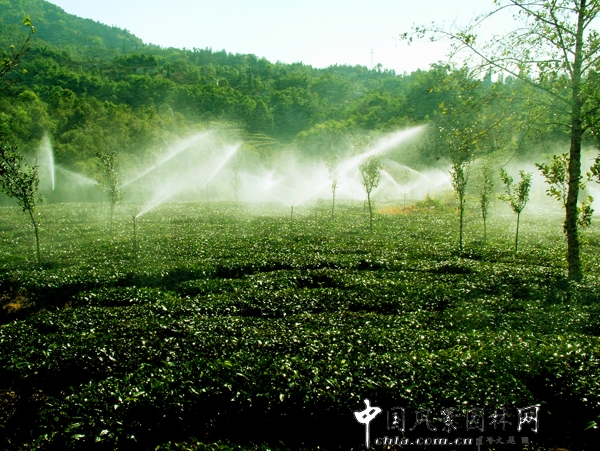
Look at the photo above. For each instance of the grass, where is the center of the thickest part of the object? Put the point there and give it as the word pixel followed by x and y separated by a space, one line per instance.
pixel 230 329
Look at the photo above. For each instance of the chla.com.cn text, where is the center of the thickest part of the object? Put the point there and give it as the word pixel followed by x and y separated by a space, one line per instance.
pixel 441 441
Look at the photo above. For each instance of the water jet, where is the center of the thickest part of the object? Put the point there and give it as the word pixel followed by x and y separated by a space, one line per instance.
pixel 175 150
pixel 190 177
pixel 46 158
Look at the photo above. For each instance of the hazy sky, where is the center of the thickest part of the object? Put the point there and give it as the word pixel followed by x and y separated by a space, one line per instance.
pixel 315 32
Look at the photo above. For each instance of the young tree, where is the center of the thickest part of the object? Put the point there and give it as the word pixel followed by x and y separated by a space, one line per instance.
pixel 464 126
pixel 20 181
pixel 556 175
pixel 236 182
pixel 360 144
pixel 461 142
pixel 485 190
pixel 334 176
pixel 17 178
pixel 555 50
pixel 109 183
pixel 370 171
pixel 517 195
pixel 459 176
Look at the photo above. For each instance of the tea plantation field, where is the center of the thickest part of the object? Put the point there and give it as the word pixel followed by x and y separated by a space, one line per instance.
pixel 230 327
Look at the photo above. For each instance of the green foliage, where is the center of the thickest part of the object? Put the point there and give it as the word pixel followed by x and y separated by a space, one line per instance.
pixel 556 175
pixel 110 180
pixel 585 212
pixel 594 172
pixel 553 48
pixel 96 83
pixel 517 196
pixel 20 181
pixel 223 316
pixel 461 132
pixel 459 177
pixel 196 336
pixel 324 139
pixel 11 59
pixel 461 142
pixel 370 171
pixel 78 35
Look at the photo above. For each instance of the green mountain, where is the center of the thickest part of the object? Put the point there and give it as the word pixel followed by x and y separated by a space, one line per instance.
pixel 56 27
pixel 90 87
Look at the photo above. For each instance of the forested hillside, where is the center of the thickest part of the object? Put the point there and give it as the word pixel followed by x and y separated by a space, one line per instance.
pixel 90 86
pixel 56 27
pixel 188 289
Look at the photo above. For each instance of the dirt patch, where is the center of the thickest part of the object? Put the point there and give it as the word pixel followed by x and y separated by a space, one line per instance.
pixel 11 301
pixel 395 210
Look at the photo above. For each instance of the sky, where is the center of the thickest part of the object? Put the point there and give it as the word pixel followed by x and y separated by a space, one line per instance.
pixel 319 33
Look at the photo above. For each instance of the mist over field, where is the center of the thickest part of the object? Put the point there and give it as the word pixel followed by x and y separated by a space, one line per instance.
pixel 205 250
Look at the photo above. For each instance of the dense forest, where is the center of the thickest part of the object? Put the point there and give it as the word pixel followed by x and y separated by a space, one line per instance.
pixel 267 303
pixel 90 86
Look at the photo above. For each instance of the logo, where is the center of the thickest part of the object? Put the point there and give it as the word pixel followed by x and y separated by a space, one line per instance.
pixel 451 421
pixel 365 417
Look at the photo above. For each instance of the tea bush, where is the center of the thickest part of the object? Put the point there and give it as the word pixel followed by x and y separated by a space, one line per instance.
pixel 234 330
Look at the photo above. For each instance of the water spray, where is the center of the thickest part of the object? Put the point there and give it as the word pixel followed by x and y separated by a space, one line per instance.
pixel 175 185
pixel 179 148
pixel 76 178
pixel 47 158
pixel 51 163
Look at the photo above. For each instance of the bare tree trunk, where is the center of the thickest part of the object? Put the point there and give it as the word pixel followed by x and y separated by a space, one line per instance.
pixel 517 233
pixel 370 212
pixel 112 211
pixel 460 228
pixel 573 258
pixel 484 230
pixel 37 236
pixel 333 206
